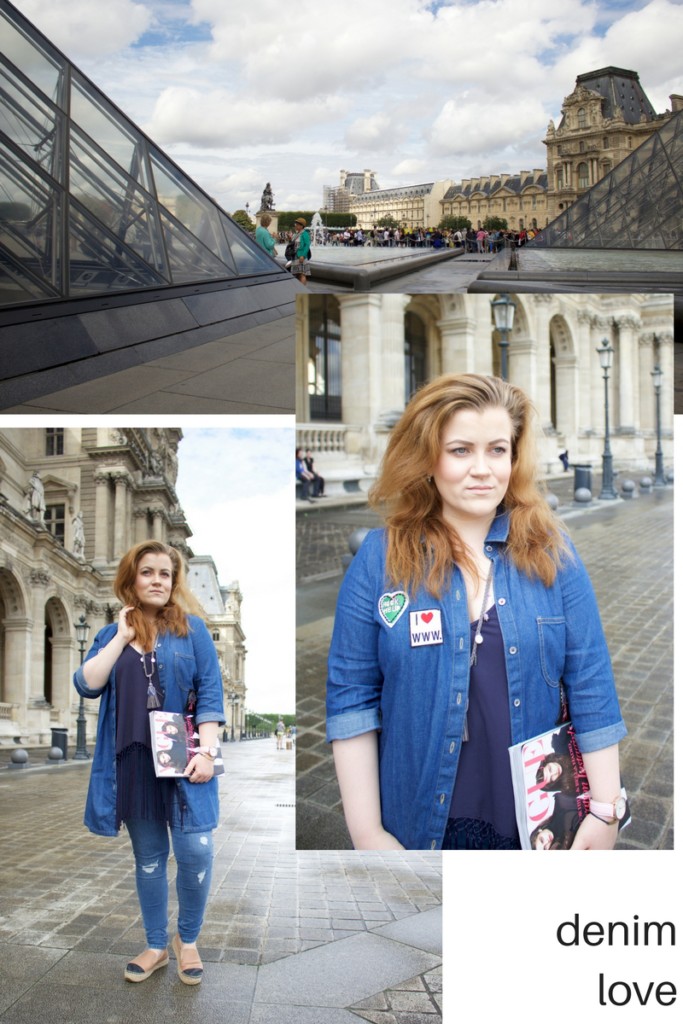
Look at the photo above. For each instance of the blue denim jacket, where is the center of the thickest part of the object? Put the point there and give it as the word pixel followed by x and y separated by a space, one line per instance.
pixel 184 663
pixel 400 665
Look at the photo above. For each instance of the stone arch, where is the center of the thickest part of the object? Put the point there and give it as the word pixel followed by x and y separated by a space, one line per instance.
pixel 563 360
pixel 59 642
pixel 15 637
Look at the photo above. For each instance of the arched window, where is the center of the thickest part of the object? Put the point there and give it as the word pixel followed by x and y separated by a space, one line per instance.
pixel 415 353
pixel 581 118
pixel 582 172
pixel 324 358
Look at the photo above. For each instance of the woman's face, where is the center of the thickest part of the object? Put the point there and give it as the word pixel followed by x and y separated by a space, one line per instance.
pixel 551 772
pixel 154 581
pixel 544 839
pixel 473 470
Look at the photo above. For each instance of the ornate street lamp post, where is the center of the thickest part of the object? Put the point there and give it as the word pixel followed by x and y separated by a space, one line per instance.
pixel 82 630
pixel 657 375
pixel 605 353
pixel 503 315
pixel 233 698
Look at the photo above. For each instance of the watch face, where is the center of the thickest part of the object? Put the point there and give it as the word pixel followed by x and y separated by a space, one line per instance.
pixel 619 808
pixel 212 751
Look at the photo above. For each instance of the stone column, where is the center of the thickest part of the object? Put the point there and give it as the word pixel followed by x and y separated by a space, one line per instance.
pixel 101 547
pixel 628 393
pixel 17 675
pixel 140 524
pixel 460 351
pixel 393 311
pixel 39 580
pixel 666 363
pixel 158 524
pixel 361 358
pixel 121 481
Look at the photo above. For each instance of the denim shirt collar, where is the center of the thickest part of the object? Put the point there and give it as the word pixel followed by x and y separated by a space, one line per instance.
pixel 500 527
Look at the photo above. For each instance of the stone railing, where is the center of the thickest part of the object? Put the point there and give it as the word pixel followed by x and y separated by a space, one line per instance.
pixel 6 712
pixel 323 438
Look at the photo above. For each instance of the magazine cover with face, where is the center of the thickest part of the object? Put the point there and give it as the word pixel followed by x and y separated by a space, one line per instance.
pixel 174 742
pixel 552 796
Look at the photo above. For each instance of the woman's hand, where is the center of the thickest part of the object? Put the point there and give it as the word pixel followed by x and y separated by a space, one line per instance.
pixel 379 840
pixel 595 834
pixel 200 769
pixel 125 631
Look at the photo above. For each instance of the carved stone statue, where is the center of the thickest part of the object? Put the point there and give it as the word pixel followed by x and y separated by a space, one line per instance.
pixel 267 202
pixel 35 498
pixel 79 536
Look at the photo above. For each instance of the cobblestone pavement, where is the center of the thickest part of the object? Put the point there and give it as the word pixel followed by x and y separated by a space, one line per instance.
pixel 627 548
pixel 288 936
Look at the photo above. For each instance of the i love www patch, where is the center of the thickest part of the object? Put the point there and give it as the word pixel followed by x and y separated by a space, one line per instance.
pixel 425 628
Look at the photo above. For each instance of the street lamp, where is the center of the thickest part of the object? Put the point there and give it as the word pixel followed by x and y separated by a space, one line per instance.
pixel 657 375
pixel 234 699
pixel 605 353
pixel 503 315
pixel 82 630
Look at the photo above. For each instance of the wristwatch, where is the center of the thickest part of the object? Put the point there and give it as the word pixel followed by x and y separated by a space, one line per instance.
pixel 609 813
pixel 210 752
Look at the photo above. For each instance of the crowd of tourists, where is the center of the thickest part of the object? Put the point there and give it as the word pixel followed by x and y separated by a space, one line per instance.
pixel 472 240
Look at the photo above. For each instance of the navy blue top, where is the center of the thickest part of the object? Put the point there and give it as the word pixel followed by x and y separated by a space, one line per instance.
pixel 483 785
pixel 139 793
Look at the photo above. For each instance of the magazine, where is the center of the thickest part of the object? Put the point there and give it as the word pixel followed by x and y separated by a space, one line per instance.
pixel 552 796
pixel 174 741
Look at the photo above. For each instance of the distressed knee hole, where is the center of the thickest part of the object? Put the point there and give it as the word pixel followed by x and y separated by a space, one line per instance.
pixel 201 876
pixel 204 840
pixel 150 868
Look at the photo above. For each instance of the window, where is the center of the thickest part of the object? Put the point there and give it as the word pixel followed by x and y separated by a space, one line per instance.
pixel 581 117
pixel 215 635
pixel 582 147
pixel 415 354
pixel 324 358
pixel 558 178
pixel 605 143
pixel 54 521
pixel 54 441
pixel 582 172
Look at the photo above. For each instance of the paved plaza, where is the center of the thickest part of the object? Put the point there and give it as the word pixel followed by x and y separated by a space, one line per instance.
pixel 627 547
pixel 308 937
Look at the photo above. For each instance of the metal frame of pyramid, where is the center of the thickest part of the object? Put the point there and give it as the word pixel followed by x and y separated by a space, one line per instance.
pixel 89 205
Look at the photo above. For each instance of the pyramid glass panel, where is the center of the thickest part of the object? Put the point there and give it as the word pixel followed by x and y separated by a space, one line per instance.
pixel 89 204
pixel 638 205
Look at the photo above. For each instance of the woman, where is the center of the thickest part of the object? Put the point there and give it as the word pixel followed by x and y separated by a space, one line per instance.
pixel 454 627
pixel 156 656
pixel 301 265
pixel 263 235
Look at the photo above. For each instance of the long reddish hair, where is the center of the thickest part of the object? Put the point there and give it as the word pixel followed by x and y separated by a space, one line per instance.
pixel 421 546
pixel 172 617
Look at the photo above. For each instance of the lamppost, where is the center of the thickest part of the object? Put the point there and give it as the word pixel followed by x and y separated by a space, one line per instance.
pixel 657 375
pixel 82 630
pixel 503 315
pixel 605 353
pixel 246 207
pixel 234 699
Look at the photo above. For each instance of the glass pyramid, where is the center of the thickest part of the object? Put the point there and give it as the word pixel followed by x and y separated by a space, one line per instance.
pixel 88 204
pixel 638 205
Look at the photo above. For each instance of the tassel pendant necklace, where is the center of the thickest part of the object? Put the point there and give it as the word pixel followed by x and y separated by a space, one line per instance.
pixel 152 698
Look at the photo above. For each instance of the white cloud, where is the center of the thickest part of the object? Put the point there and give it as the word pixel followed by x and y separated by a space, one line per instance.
pixel 376 131
pixel 410 168
pixel 481 125
pixel 75 27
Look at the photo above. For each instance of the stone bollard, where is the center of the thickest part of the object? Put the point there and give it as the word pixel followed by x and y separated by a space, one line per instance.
pixel 18 758
pixel 628 489
pixel 582 496
pixel 645 484
pixel 669 476
pixel 55 756
pixel 355 540
pixel 552 501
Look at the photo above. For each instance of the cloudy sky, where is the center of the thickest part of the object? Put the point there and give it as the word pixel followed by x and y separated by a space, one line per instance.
pixel 236 487
pixel 240 94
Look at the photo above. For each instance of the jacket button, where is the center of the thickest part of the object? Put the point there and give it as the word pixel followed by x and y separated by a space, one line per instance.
pixel 517 702
pixel 513 650
pixel 452 747
pixel 488 548
pixel 501 600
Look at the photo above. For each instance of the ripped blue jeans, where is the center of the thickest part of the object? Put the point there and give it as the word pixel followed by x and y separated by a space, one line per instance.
pixel 194 856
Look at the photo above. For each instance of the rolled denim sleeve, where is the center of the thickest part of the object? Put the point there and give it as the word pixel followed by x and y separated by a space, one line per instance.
pixel 588 676
pixel 101 640
pixel 354 683
pixel 207 676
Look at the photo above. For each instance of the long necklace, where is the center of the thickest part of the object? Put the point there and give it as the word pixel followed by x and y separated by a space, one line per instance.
pixel 478 639
pixel 152 698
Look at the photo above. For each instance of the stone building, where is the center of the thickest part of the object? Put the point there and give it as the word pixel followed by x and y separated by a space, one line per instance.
pixel 72 501
pixel 411 205
pixel 351 184
pixel 361 356
pixel 518 198
pixel 604 119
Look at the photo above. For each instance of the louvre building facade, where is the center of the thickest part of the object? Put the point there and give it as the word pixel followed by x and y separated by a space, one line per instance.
pixel 72 501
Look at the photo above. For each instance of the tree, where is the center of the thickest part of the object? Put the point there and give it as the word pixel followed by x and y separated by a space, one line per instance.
pixel 495 224
pixel 388 222
pixel 455 224
pixel 241 217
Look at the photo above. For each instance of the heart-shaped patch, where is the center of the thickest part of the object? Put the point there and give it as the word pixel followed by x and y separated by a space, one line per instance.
pixel 427 616
pixel 392 606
